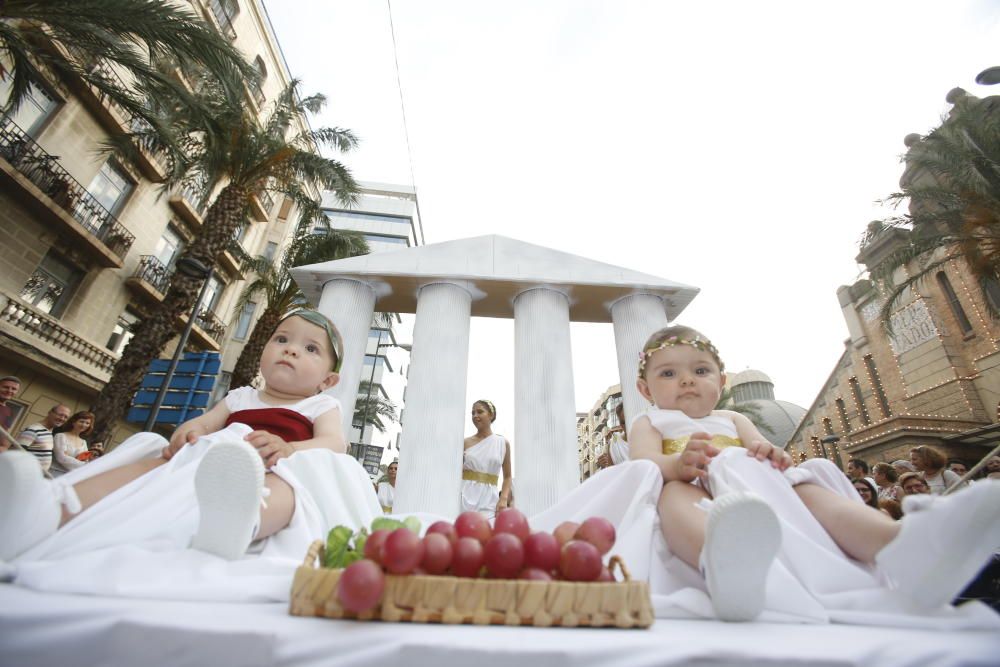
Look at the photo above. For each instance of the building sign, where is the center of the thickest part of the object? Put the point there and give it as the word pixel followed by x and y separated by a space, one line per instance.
pixel 912 326
pixel 373 457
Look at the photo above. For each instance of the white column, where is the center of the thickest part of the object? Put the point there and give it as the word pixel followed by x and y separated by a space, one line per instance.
pixel 545 439
pixel 350 304
pixel 635 318
pixel 430 446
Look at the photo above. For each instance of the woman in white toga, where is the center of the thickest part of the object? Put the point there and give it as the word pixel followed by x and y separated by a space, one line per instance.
pixel 486 454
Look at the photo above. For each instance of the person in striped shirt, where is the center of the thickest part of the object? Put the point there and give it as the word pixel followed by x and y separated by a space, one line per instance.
pixel 37 438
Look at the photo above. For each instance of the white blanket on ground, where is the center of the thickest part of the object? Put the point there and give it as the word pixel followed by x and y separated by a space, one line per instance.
pixel 136 546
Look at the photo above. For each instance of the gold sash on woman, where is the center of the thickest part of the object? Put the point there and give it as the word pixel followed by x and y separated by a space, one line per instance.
pixel 677 446
pixel 484 477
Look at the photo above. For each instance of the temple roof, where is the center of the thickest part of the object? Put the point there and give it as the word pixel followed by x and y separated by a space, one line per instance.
pixel 494 269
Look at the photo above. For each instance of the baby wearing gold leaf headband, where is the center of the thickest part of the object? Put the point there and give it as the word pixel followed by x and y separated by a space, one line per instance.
pixel 732 501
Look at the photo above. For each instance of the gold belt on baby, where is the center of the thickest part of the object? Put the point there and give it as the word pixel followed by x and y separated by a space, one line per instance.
pixel 720 441
pixel 484 477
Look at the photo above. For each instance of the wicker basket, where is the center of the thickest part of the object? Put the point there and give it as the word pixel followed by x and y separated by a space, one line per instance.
pixel 440 599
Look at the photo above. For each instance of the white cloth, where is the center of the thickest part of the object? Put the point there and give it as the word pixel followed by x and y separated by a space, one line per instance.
pixel 484 456
pixel 386 494
pixel 248 398
pixel 675 425
pixel 618 449
pixel 134 542
pixel 65 449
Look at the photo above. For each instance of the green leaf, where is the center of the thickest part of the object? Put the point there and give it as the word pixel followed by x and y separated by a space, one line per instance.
pixel 337 547
pixel 384 522
pixel 359 541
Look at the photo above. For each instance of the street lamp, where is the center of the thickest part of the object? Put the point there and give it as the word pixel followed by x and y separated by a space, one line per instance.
pixel 989 76
pixel 192 268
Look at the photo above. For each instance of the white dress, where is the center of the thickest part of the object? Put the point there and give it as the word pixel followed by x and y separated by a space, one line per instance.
pixel 134 542
pixel 486 456
pixel 812 580
pixel 64 452
pixel 618 449
pixel 386 494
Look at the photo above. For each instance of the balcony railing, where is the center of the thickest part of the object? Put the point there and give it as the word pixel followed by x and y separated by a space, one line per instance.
pixel 44 170
pixel 152 271
pixel 211 324
pixel 40 326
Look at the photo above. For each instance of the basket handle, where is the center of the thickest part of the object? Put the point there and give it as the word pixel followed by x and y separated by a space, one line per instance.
pixel 313 554
pixel 616 561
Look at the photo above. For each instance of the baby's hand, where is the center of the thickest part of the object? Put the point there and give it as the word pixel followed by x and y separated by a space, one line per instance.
pixel 270 447
pixel 763 450
pixel 694 459
pixel 183 435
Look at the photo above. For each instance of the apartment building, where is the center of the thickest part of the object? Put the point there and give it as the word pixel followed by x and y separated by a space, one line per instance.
pixel 88 243
pixel 388 216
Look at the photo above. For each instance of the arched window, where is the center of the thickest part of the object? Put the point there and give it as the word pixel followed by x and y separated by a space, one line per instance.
pixel 258 86
pixel 956 307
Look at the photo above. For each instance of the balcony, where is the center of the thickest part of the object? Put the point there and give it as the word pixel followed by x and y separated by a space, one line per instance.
pixel 231 260
pixel 38 180
pixel 186 202
pixel 113 117
pixel 42 340
pixel 150 283
pixel 261 203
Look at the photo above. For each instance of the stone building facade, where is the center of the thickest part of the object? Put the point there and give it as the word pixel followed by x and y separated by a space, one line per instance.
pixel 934 379
pixel 87 243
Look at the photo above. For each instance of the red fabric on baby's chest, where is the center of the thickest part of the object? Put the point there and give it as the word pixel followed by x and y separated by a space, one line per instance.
pixel 287 424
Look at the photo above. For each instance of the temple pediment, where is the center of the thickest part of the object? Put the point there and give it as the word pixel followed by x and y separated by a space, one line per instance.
pixel 495 269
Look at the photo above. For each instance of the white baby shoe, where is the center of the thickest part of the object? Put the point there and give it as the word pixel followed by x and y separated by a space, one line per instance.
pixel 229 485
pixel 742 538
pixel 943 542
pixel 30 505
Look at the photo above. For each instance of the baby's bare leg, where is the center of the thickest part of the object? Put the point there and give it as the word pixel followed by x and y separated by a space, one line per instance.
pixel 97 487
pixel 859 530
pixel 280 506
pixel 682 522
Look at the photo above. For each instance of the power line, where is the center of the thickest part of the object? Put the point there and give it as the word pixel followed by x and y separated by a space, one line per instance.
pixel 406 130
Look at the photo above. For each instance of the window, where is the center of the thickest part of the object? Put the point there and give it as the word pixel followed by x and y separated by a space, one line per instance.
pixel 956 306
pixel 883 401
pixel 35 109
pixel 257 86
pixel 224 12
pixel 122 332
pixel 168 247
pixel 827 426
pixel 221 388
pixel 842 412
pixel 51 285
pixel 246 316
pixel 379 238
pixel 859 400
pixel 270 250
pixel 993 293
pixel 111 187
pixel 212 295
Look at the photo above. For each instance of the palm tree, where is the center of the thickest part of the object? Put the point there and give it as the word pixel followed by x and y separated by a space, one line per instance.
pixel 747 409
pixel 83 37
pixel 227 145
pixel 274 281
pixel 371 408
pixel 952 184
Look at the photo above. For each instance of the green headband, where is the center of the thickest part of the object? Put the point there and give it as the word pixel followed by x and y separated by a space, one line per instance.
pixel 489 406
pixel 321 320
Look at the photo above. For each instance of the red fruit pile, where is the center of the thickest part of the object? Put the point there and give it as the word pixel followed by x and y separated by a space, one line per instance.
pixel 472 548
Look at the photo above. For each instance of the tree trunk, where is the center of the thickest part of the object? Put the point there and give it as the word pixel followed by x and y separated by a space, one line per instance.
pixel 163 322
pixel 249 362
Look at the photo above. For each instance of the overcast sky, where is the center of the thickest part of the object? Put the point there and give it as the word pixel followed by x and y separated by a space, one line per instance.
pixel 738 147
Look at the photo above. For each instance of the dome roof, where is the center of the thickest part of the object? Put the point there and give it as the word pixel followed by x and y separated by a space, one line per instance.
pixel 781 417
pixel 749 375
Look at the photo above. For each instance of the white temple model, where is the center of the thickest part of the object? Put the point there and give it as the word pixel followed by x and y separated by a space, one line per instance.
pixel 445 284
